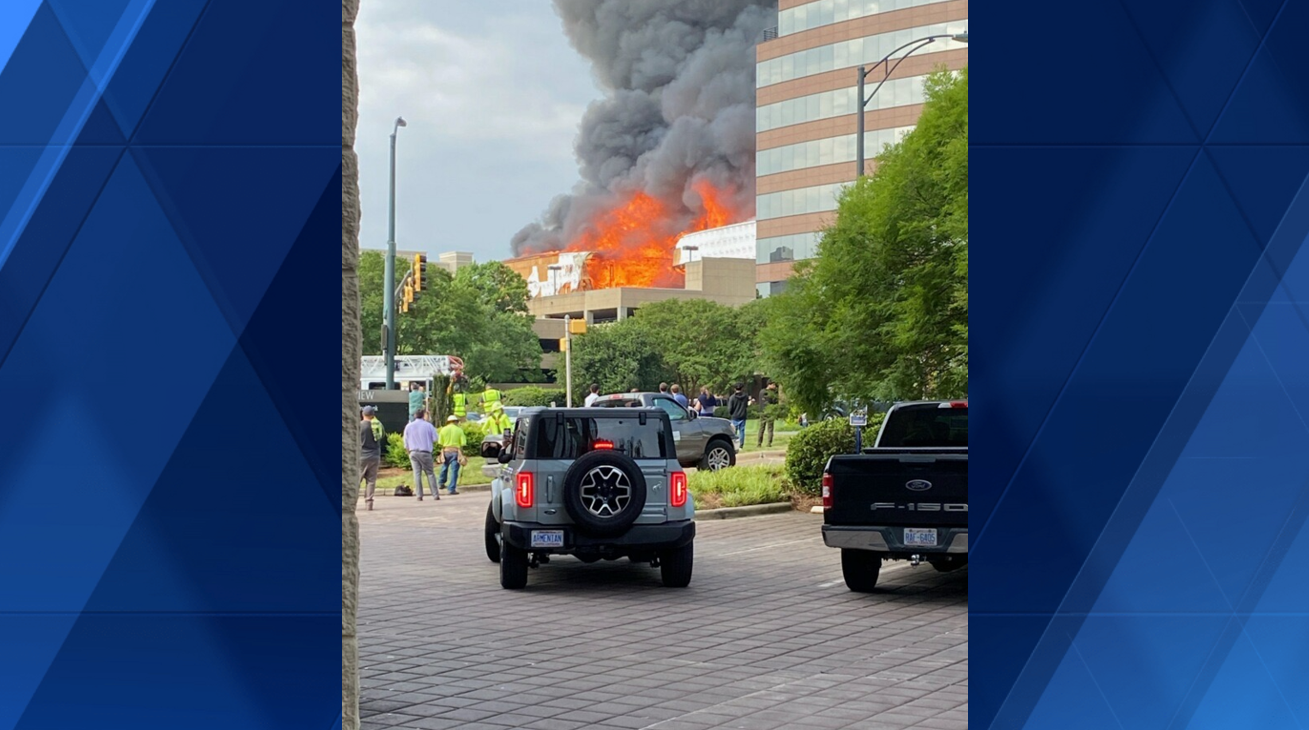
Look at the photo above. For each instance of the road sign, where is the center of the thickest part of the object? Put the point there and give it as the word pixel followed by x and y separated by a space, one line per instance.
pixel 858 419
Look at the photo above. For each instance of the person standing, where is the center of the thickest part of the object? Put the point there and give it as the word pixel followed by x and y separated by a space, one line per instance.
pixel 707 402
pixel 419 437
pixel 663 388
pixel 768 405
pixel 679 396
pixel 593 396
pixel 452 442
pixel 416 398
pixel 370 452
pixel 738 407
pixel 498 422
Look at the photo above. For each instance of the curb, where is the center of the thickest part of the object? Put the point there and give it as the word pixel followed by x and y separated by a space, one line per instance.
pixel 754 510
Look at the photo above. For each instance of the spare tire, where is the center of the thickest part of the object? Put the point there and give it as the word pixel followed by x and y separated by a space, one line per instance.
pixel 604 493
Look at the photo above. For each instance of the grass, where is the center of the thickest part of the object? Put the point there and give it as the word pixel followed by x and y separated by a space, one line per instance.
pixel 739 486
pixel 782 433
pixel 389 478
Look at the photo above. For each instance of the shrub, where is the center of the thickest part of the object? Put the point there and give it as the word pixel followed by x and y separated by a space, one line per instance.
pixel 810 449
pixel 473 434
pixel 395 451
pixel 738 486
pixel 720 412
pixel 533 396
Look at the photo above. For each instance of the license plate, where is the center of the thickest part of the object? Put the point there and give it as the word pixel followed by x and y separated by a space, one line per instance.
pixel 920 537
pixel 555 538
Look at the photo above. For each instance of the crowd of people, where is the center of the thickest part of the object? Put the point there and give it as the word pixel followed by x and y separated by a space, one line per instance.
pixel 426 446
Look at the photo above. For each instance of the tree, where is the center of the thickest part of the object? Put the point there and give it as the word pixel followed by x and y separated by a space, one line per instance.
pixel 882 312
pixel 619 357
pixel 701 342
pixel 475 316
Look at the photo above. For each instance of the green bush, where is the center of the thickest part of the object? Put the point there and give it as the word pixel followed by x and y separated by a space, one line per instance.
pixel 738 486
pixel 395 451
pixel 810 449
pixel 473 434
pixel 720 412
pixel 533 396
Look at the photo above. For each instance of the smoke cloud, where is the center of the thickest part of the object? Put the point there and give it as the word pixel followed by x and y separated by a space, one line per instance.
pixel 679 109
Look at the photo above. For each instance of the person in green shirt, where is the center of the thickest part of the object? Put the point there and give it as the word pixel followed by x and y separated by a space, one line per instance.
pixel 416 399
pixel 452 440
pixel 497 422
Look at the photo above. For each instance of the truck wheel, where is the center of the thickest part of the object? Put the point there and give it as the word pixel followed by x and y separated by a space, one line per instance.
pixel 860 569
pixel 675 565
pixel 492 536
pixel 604 493
pixel 719 455
pixel 513 567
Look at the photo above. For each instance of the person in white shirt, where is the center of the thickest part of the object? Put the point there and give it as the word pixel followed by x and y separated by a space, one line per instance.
pixel 593 397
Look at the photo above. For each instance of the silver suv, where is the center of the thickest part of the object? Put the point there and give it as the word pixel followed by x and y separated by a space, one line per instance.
pixel 591 483
pixel 702 441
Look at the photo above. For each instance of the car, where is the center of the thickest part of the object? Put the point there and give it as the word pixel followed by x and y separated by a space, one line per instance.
pixel 702 441
pixel 594 484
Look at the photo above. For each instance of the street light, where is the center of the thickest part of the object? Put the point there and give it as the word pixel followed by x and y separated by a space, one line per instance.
pixel 890 69
pixel 686 251
pixel 388 289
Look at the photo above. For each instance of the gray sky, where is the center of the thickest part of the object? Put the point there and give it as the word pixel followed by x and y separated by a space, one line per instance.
pixel 493 95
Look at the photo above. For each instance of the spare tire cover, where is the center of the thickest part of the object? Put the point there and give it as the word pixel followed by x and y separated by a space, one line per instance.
pixel 604 492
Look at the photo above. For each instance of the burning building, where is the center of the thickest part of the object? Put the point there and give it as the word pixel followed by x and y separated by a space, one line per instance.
pixel 668 151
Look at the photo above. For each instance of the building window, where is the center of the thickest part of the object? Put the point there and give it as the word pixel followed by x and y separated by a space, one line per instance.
pixel 866 50
pixel 828 104
pixel 828 151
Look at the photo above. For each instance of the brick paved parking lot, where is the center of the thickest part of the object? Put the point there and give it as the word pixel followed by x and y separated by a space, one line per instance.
pixel 767 635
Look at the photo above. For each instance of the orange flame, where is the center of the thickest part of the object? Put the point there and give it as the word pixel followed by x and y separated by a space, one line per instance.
pixel 632 244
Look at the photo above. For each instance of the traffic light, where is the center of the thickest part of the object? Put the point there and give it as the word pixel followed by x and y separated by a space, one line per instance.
pixel 420 271
pixel 404 306
pixel 408 294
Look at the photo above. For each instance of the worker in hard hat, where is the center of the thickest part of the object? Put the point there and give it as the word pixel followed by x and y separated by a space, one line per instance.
pixel 452 440
pixel 498 421
pixel 490 400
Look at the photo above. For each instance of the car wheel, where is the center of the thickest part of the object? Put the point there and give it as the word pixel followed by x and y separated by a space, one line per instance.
pixel 949 564
pixel 860 569
pixel 719 455
pixel 675 565
pixel 492 536
pixel 513 567
pixel 604 492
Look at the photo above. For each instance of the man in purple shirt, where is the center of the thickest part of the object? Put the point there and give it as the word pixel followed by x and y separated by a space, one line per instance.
pixel 419 437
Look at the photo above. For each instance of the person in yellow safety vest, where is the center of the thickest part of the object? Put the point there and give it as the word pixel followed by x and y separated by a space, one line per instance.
pixel 498 422
pixel 461 404
pixel 490 400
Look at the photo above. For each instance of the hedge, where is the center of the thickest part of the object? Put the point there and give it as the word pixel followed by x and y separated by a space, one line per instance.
pixel 533 396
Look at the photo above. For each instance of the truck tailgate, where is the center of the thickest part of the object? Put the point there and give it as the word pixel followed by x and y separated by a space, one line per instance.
pixel 899 489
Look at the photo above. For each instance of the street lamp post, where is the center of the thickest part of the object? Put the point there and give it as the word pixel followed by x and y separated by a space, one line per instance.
pixel 885 62
pixel 388 287
pixel 554 270
pixel 687 251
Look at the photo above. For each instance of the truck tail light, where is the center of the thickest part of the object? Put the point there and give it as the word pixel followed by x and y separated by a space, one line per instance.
pixel 954 404
pixel 677 484
pixel 603 445
pixel 827 490
pixel 525 489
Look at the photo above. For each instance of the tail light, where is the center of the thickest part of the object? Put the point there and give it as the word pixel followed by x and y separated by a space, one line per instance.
pixel 677 484
pixel 954 404
pixel 603 445
pixel 525 489
pixel 827 490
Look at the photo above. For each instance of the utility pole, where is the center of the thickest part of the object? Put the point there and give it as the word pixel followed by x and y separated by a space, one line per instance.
pixel 388 286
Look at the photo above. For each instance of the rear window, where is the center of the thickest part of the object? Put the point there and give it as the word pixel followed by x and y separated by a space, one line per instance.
pixel 570 437
pixel 612 402
pixel 925 426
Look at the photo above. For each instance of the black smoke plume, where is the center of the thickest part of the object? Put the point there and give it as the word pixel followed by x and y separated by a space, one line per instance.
pixel 679 107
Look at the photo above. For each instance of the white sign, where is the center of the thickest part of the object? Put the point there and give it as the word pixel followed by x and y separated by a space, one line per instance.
pixel 858 419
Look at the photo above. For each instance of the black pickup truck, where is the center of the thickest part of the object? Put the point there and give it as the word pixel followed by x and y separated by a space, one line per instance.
pixel 906 498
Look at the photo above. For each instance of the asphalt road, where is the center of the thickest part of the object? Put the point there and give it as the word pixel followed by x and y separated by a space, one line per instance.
pixel 767 635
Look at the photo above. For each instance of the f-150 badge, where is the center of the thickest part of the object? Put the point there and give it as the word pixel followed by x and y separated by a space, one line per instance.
pixel 918 485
